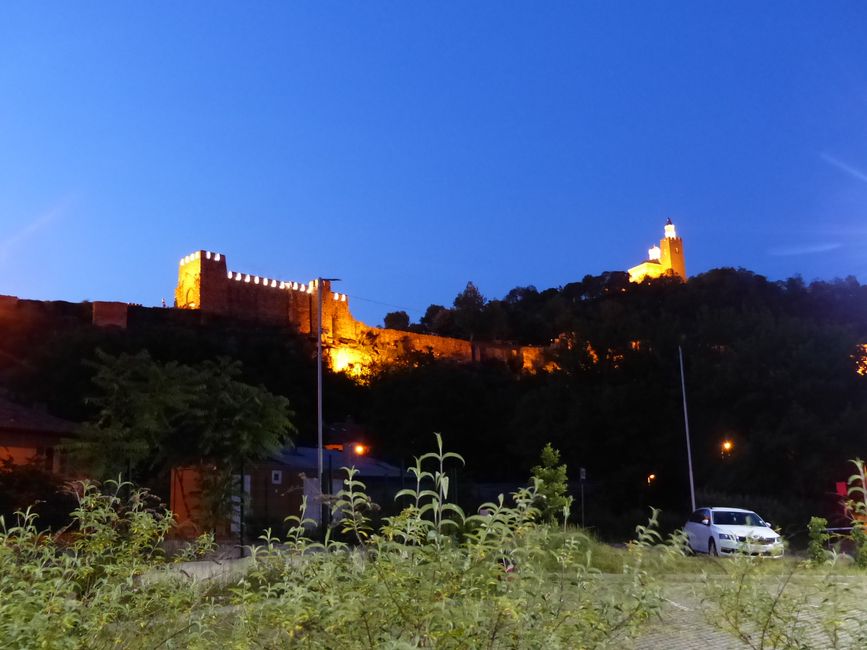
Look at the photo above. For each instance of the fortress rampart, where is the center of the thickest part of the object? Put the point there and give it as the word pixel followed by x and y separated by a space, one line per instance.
pixel 206 283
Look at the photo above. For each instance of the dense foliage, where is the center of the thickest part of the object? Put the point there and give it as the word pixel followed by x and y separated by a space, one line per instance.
pixel 154 416
pixel 428 577
pixel 771 366
pixel 83 587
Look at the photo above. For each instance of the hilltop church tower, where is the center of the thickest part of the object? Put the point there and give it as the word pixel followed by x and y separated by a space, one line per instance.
pixel 665 259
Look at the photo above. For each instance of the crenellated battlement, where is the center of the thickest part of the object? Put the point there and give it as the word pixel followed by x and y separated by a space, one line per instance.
pixel 205 283
pixel 271 283
pixel 201 255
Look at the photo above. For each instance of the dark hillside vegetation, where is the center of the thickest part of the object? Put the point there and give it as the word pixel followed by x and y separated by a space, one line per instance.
pixel 770 366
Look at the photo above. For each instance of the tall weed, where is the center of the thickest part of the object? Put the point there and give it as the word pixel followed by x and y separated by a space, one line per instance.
pixel 430 576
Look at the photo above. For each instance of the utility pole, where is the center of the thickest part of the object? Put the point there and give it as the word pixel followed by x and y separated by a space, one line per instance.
pixel 582 473
pixel 319 463
pixel 686 425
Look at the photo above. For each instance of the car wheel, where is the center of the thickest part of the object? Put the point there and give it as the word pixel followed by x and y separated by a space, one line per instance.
pixel 711 549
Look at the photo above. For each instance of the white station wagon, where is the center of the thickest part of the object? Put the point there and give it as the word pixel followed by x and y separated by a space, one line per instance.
pixel 728 531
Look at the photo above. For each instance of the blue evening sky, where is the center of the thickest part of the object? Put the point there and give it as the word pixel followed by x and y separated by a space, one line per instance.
pixel 407 147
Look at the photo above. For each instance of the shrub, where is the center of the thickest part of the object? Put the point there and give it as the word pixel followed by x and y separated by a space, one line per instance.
pixel 552 485
pixel 85 587
pixel 819 538
pixel 859 538
pixel 429 576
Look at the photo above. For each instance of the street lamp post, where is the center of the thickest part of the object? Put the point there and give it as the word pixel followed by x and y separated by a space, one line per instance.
pixel 686 425
pixel 319 459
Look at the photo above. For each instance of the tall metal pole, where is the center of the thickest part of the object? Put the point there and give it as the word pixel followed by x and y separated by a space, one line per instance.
pixel 686 425
pixel 319 396
pixel 319 464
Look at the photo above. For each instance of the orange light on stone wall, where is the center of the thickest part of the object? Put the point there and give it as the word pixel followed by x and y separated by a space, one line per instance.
pixel 349 361
pixel 860 358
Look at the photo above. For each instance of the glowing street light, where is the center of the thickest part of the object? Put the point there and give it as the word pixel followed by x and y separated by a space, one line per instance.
pixel 651 478
pixel 726 447
pixel 360 449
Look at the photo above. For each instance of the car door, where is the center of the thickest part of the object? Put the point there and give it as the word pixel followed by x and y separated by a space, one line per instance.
pixel 696 531
pixel 702 530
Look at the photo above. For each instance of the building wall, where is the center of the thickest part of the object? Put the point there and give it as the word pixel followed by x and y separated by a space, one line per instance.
pixel 23 447
pixel 206 283
pixel 672 256
pixel 109 314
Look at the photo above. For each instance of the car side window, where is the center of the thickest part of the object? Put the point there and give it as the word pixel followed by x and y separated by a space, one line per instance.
pixel 705 514
pixel 697 516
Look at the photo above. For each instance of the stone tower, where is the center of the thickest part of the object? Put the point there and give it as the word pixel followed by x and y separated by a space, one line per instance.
pixel 202 282
pixel 671 247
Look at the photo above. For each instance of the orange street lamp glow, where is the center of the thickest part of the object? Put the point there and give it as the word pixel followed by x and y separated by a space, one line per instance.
pixel 727 446
pixel 651 478
pixel 360 449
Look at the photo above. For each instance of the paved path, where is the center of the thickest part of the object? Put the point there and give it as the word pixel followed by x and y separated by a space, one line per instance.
pixel 683 626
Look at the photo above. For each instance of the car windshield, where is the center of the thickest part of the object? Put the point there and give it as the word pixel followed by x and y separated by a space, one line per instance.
pixel 734 518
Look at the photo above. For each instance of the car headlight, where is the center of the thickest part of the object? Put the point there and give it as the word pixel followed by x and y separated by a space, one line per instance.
pixel 727 536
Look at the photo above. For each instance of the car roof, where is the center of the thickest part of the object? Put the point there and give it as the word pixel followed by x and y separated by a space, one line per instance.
pixel 715 508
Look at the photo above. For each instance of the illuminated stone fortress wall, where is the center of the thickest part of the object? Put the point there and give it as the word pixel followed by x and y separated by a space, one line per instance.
pixel 206 283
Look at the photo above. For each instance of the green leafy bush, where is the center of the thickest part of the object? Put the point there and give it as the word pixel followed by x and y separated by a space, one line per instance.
pixel 552 485
pixel 860 541
pixel 857 505
pixel 819 537
pixel 431 576
pixel 84 587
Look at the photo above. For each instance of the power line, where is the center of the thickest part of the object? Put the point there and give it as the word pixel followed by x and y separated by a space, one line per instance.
pixel 386 304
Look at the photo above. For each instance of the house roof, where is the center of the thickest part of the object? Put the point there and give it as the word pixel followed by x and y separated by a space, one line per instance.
pixel 304 459
pixel 15 417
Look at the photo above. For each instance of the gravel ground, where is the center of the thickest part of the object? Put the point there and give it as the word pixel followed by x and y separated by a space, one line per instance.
pixel 683 626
